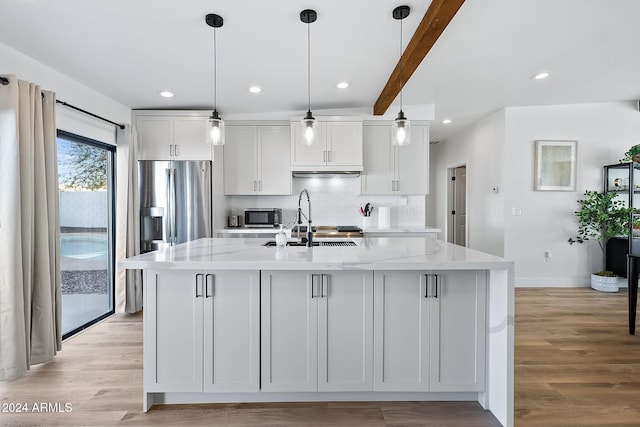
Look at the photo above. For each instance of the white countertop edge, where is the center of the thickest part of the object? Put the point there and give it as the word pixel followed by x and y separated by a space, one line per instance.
pixel 402 230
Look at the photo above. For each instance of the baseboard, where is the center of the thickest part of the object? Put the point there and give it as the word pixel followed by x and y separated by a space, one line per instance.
pixel 559 282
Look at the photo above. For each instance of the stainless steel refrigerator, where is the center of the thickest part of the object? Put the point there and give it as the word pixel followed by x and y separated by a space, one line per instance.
pixel 175 202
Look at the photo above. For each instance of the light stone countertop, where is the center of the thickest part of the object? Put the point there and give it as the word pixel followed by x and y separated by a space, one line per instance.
pixel 372 253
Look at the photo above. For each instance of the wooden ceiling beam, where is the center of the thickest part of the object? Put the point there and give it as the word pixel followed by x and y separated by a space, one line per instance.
pixel 435 20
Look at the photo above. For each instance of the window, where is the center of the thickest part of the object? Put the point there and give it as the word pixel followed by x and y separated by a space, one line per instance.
pixel 86 183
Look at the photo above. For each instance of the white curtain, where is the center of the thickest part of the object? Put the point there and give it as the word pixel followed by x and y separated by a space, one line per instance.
pixel 128 282
pixel 30 295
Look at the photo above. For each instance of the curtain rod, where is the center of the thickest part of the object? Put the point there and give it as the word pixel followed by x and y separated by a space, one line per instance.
pixel 120 125
pixel 5 81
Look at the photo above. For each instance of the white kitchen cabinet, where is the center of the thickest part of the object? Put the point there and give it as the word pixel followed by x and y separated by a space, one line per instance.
pixel 173 332
pixel 317 331
pixel 256 160
pixel 429 331
pixel 391 169
pixel 338 146
pixel 458 325
pixel 162 137
pixel 202 331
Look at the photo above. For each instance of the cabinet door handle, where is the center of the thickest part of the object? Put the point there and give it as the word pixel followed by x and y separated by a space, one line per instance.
pixel 431 279
pixel 436 285
pixel 314 278
pixel 199 285
pixel 329 157
pixel 176 150
pixel 259 185
pixel 426 285
pixel 171 150
pixel 209 293
pixel 324 286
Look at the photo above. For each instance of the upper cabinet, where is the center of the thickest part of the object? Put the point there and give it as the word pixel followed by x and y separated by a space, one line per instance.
pixel 392 169
pixel 256 160
pixel 167 136
pixel 337 147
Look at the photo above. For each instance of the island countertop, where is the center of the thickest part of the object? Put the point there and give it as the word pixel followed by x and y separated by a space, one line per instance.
pixel 371 253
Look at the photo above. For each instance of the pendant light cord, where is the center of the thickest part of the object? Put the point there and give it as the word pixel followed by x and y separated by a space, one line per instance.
pixel 215 72
pixel 309 66
pixel 401 64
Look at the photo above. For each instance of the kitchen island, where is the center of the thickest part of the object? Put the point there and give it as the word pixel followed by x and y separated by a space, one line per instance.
pixel 230 320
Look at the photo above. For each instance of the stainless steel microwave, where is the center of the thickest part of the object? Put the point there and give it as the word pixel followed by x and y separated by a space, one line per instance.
pixel 262 217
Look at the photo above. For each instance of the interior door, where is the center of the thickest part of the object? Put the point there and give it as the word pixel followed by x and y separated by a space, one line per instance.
pixel 458 206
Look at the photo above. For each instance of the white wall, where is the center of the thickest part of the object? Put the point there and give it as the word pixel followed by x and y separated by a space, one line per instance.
pixel 604 132
pixel 84 209
pixel 499 151
pixel 481 148
pixel 71 91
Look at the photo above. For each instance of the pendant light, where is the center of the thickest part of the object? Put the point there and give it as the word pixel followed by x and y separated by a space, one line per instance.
pixel 216 136
pixel 401 128
pixel 309 122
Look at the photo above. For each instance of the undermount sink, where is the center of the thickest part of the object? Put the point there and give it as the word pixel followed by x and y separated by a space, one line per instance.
pixel 343 243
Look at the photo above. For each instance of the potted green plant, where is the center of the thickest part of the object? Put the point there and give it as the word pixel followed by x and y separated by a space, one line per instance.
pixel 632 154
pixel 601 216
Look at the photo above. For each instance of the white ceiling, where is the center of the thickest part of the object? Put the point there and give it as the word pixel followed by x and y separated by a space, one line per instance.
pixel 130 50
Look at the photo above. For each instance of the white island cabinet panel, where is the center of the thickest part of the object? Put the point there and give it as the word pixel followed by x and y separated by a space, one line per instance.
pixel 430 330
pixel 232 331
pixel 401 332
pixel 289 339
pixel 345 332
pixel 173 331
pixel 458 341
pixel 202 331
pixel 317 331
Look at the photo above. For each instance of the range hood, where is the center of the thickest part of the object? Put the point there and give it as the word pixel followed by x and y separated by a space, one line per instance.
pixel 325 174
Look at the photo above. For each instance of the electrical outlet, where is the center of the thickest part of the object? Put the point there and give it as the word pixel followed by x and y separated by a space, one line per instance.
pixel 516 211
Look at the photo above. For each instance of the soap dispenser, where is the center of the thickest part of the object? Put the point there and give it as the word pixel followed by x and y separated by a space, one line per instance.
pixel 281 237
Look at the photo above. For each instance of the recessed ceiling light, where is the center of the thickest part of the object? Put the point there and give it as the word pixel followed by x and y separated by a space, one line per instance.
pixel 541 76
pixel 342 85
pixel 255 89
pixel 166 94
pixel 446 121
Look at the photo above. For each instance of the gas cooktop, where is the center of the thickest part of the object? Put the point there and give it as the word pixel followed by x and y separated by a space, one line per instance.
pixel 330 230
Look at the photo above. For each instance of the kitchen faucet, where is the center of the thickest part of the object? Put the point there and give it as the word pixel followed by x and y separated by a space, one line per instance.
pixel 309 242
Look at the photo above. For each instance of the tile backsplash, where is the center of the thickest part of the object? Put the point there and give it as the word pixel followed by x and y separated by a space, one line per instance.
pixel 335 201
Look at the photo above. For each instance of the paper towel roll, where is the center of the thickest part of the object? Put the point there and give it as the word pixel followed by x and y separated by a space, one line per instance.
pixel 384 217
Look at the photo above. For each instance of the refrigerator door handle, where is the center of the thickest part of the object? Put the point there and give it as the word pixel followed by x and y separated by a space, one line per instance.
pixel 172 183
pixel 169 210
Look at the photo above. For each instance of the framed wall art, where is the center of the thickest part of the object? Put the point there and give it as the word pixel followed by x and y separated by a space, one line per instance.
pixel 555 165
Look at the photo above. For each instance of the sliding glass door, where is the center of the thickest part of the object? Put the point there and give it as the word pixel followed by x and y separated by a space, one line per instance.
pixel 86 183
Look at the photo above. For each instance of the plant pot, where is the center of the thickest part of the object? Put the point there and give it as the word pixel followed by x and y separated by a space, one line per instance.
pixel 604 283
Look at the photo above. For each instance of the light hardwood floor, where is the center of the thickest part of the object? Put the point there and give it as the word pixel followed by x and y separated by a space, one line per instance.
pixel 575 362
pixel 575 365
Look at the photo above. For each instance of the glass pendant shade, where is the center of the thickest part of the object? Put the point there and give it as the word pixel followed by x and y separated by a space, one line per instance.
pixel 309 125
pixel 401 130
pixel 216 133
